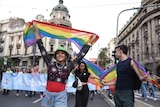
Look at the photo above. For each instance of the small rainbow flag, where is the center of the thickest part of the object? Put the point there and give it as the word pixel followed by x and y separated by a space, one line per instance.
pixel 46 29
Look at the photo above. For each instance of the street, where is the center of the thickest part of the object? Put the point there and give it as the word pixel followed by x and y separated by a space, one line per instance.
pixel 139 102
pixel 12 100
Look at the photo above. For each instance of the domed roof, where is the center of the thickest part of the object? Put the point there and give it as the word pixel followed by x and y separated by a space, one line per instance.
pixel 60 7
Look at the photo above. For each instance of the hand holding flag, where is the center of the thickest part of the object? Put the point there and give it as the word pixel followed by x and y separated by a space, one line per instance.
pixel 46 29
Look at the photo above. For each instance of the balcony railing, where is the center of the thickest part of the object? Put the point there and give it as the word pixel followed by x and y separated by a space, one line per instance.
pixel 158 28
pixel 1 48
pixel 1 40
pixel 18 46
pixel 51 42
pixel 10 46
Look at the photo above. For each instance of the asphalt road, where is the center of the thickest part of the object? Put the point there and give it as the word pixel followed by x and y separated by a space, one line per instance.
pixel 12 100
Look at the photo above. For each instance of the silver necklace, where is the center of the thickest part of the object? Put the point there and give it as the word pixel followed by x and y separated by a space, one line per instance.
pixel 60 67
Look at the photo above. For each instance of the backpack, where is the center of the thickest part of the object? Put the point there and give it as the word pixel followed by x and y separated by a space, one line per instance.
pixel 134 77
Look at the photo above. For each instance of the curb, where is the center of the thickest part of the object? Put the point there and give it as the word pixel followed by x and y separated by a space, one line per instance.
pixel 108 101
pixel 137 103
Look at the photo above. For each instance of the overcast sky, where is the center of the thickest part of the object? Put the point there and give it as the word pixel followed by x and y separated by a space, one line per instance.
pixel 97 16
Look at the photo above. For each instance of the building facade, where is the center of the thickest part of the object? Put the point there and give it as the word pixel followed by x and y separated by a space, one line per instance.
pixel 11 39
pixel 111 48
pixel 142 35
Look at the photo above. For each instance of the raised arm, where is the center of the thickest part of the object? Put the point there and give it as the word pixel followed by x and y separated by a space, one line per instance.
pixel 84 51
pixel 43 51
pixel 74 69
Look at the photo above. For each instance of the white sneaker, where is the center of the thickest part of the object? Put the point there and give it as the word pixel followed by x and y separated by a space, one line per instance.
pixel 17 94
pixel 146 99
pixel 150 97
pixel 154 99
pixel 26 95
pixel 41 96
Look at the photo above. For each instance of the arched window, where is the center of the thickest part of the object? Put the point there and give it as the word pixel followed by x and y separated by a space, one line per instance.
pixel 158 21
pixel 12 40
pixel 51 49
pixel 19 39
pixel 63 18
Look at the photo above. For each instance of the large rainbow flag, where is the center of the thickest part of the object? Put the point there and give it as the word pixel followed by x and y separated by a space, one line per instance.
pixel 110 74
pixel 144 72
pixel 46 29
pixel 78 37
pixel 96 70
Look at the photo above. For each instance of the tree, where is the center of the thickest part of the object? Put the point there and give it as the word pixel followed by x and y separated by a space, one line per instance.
pixel 103 58
pixel 9 62
pixel 1 63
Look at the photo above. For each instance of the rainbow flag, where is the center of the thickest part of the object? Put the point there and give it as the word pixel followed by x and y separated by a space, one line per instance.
pixel 78 37
pixel 46 29
pixel 155 82
pixel 93 68
pixel 96 70
pixel 110 74
pixel 144 72
pixel 141 68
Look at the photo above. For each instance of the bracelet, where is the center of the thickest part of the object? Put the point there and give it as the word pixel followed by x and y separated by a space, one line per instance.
pixel 89 44
pixel 35 30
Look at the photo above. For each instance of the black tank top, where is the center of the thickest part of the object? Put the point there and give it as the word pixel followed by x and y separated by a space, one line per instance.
pixel 124 81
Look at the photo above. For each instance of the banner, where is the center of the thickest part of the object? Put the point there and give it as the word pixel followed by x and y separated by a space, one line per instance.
pixel 33 82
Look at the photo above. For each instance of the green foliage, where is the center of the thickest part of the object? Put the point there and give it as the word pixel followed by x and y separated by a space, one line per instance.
pixel 103 58
pixel 9 62
pixel 1 63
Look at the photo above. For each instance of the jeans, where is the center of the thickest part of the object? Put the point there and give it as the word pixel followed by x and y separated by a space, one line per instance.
pixel 144 90
pixel 54 99
pixel 109 91
pixel 124 98
pixel 151 90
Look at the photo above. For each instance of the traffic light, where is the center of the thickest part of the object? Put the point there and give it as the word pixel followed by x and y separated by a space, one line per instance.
pixel 114 55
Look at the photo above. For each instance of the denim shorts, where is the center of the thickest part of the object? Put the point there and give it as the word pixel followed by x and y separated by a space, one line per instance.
pixel 54 99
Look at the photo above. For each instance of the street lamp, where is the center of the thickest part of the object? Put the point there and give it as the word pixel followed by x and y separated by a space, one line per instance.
pixel 128 10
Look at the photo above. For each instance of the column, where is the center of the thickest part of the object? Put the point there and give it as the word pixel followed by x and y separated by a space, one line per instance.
pixel 141 41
